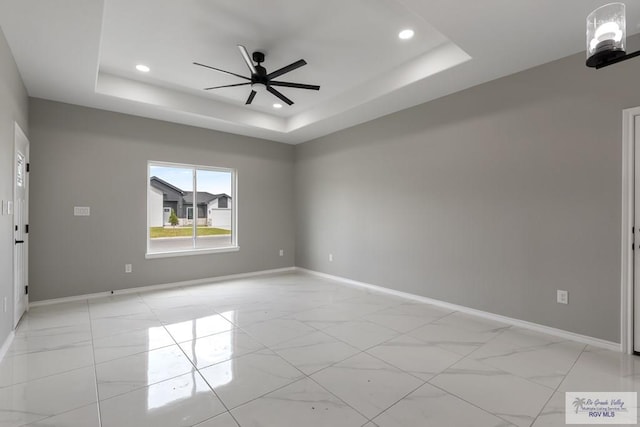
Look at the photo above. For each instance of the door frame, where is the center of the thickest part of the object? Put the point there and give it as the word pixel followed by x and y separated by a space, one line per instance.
pixel 627 236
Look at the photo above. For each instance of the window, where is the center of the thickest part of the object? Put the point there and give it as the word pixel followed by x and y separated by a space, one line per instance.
pixel 190 210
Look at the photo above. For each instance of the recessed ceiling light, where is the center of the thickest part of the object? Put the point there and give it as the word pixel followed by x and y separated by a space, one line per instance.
pixel 277 105
pixel 143 68
pixel 406 34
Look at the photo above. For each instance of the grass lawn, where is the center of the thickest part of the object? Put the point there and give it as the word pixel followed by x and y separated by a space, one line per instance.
pixel 186 231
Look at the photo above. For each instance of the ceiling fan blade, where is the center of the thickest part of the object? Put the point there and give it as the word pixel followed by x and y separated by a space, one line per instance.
pixel 247 59
pixel 287 69
pixel 295 85
pixel 251 96
pixel 220 87
pixel 279 95
pixel 222 71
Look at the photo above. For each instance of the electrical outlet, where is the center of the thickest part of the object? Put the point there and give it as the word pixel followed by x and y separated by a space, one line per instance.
pixel 330 257
pixel 281 252
pixel 562 297
pixel 128 268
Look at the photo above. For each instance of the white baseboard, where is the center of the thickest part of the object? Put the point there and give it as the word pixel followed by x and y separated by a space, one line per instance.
pixel 596 342
pixel 162 286
pixel 584 339
pixel 6 345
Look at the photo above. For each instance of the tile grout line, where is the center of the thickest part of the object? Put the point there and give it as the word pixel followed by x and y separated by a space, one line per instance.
pixel 508 328
pixel 235 326
pixel 560 383
pixel 366 350
pixel 142 352
pixel 425 383
pixel 398 401
pixel 508 373
pixel 295 367
pixel 360 351
pixel 466 357
pixel 45 376
pixel 335 363
pixel 258 397
pixel 55 374
pixel 470 403
pixel 95 369
pixel 224 405
pixel 294 381
pixel 410 373
pixel 334 395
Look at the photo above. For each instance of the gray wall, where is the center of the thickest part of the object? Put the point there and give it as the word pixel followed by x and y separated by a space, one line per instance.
pixel 13 108
pixel 87 157
pixel 492 198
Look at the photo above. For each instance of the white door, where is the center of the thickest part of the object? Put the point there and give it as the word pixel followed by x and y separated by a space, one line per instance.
pixel 20 221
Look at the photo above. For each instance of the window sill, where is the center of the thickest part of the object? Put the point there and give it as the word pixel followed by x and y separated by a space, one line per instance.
pixel 191 252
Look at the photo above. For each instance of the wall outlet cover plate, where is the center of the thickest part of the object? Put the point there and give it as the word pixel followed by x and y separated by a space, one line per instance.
pixel 562 297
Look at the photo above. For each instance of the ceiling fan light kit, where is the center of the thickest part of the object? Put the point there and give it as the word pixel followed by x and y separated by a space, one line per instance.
pixel 260 80
pixel 607 36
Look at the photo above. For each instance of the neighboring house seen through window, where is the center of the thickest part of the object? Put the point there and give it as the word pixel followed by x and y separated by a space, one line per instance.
pixel 190 209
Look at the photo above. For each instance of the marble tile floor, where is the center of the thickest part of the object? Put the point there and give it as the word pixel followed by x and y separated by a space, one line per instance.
pixel 289 350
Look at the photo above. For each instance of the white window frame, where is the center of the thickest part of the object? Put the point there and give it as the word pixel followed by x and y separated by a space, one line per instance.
pixel 234 247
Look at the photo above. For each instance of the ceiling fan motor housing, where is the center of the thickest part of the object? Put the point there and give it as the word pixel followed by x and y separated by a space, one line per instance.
pixel 258 57
pixel 260 76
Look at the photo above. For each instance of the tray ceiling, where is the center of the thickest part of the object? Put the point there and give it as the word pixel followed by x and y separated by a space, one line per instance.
pixel 86 52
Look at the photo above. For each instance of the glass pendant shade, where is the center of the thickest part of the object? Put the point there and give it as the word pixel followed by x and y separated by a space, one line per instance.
pixel 606 33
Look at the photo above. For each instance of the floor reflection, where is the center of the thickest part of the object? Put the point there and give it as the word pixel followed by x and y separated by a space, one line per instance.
pixel 159 397
pixel 216 349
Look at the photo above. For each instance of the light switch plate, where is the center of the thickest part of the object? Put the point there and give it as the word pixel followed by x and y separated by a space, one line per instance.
pixel 81 211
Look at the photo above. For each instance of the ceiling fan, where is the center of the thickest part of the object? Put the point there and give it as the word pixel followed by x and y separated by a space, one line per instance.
pixel 260 79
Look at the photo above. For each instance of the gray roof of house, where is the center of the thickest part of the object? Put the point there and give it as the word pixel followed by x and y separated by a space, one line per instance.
pixel 163 182
pixel 203 197
pixel 187 196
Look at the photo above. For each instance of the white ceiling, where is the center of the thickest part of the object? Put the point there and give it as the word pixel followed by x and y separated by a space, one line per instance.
pixel 85 51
